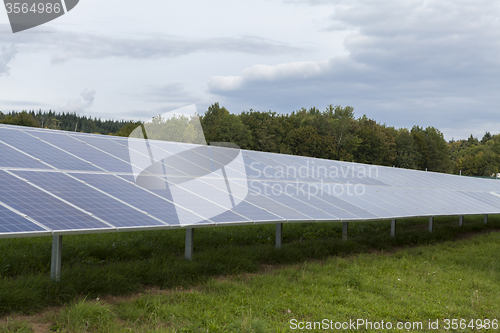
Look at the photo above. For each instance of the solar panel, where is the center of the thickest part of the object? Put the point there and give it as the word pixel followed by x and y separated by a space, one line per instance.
pixel 11 222
pixel 90 200
pixel 29 144
pixel 97 157
pixel 46 209
pixel 65 181
pixel 12 158
pixel 127 191
pixel 107 145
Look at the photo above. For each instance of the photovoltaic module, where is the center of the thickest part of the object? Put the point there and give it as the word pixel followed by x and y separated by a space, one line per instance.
pixel 56 183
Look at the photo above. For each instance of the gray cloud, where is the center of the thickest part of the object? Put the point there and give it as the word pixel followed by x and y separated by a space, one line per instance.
pixel 170 92
pixel 80 104
pixel 7 53
pixel 409 62
pixel 93 47
pixel 69 45
pixel 24 104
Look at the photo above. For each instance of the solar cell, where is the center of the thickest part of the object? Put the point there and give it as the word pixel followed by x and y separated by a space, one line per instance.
pixel 87 198
pixel 43 151
pixel 277 193
pixel 157 206
pixel 84 151
pixel 11 222
pixel 206 185
pixel 107 145
pixel 12 158
pixel 44 208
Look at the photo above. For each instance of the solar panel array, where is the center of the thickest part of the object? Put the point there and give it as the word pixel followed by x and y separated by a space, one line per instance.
pixel 56 182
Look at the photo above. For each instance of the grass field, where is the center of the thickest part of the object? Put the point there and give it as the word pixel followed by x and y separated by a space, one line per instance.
pixel 238 281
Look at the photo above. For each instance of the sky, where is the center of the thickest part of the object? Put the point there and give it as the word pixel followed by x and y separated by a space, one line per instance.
pixel 400 62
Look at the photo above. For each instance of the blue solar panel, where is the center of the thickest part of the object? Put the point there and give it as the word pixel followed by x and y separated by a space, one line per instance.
pixel 89 199
pixel 106 144
pixel 136 196
pixel 11 222
pixel 306 198
pixel 206 185
pixel 276 193
pixel 84 151
pixel 44 151
pixel 11 158
pixel 276 208
pixel 45 209
pixel 252 212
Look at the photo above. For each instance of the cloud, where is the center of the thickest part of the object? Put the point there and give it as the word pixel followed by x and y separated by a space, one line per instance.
pixel 169 92
pixel 408 62
pixel 94 47
pixel 80 104
pixel 23 104
pixel 66 45
pixel 7 53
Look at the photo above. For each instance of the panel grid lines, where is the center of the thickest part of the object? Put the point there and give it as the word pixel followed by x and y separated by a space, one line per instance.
pixel 57 182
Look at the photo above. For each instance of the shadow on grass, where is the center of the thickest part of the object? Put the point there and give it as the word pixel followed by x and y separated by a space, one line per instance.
pixel 122 263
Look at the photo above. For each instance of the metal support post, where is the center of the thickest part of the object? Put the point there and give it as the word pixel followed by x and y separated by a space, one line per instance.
pixel 345 227
pixel 188 253
pixel 393 228
pixel 55 264
pixel 485 219
pixel 431 223
pixel 279 235
pixel 461 220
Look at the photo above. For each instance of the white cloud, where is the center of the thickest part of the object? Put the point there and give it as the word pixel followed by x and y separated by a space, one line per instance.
pixel 409 62
pixel 169 92
pixel 7 53
pixel 66 45
pixel 294 70
pixel 80 104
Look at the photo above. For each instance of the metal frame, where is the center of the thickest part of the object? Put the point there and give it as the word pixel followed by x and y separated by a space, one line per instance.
pixel 188 246
pixel 279 235
pixel 409 175
pixel 55 264
pixel 345 230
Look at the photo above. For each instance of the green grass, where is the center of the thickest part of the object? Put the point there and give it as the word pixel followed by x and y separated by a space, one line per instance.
pixel 449 280
pixel 85 316
pixel 348 280
pixel 15 327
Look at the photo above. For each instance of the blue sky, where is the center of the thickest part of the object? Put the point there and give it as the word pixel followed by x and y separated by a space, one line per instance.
pixel 400 62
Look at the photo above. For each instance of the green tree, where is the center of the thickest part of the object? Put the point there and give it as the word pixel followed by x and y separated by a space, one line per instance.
pixel 486 137
pixel 21 119
pixel 128 128
pixel 221 126
pixel 376 143
pixel 343 128
pixel 306 141
pixel 267 129
pixel 437 151
pixel 175 129
pixel 407 154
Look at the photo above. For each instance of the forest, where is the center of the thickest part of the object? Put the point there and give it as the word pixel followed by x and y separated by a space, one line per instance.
pixel 333 133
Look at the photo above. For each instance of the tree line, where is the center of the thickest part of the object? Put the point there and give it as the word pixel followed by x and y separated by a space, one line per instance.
pixel 333 133
pixel 62 121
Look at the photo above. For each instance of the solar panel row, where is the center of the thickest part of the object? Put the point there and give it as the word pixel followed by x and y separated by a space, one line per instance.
pixel 63 182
